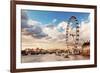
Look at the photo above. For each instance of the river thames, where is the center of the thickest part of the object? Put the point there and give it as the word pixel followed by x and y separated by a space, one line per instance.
pixel 50 58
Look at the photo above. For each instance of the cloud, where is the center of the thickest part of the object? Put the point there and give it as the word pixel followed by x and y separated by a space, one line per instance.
pixel 24 24
pixel 36 30
pixel 40 35
pixel 31 22
pixel 24 19
pixel 84 31
pixel 52 32
pixel 62 27
pixel 31 27
pixel 54 20
pixel 52 26
pixel 47 38
pixel 24 15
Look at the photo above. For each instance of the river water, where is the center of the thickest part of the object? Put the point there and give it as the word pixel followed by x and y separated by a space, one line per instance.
pixel 50 57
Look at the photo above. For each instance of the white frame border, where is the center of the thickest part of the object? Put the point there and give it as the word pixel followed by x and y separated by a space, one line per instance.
pixel 20 65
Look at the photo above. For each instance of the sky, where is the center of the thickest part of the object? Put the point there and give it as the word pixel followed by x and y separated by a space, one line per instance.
pixel 47 16
pixel 47 29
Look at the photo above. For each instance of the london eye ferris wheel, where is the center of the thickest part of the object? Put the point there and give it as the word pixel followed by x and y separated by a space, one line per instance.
pixel 73 23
